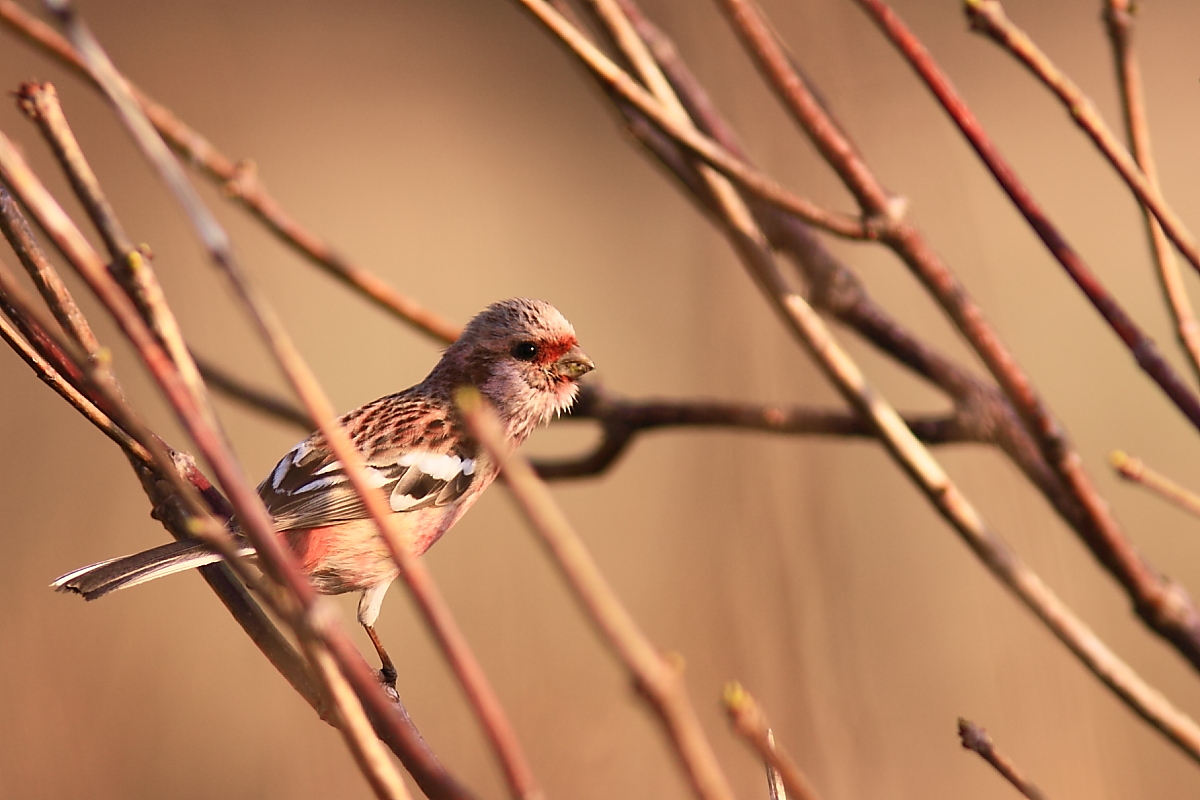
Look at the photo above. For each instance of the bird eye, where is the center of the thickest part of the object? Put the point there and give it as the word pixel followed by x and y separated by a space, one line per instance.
pixel 525 351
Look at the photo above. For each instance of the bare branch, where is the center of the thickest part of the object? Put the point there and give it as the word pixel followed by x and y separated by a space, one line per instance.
pixel 622 420
pixel 1164 606
pixel 809 329
pixel 698 144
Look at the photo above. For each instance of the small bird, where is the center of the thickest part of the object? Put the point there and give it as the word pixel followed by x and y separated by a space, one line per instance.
pixel 521 354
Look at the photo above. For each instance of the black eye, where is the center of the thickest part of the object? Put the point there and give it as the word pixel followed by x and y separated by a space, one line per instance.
pixel 525 351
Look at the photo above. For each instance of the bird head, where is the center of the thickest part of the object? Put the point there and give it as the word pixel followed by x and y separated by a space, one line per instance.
pixel 523 355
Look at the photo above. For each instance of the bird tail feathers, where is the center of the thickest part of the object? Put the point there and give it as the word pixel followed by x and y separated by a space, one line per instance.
pixel 97 580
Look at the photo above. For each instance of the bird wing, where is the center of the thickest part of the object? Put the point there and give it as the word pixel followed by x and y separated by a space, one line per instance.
pixel 411 453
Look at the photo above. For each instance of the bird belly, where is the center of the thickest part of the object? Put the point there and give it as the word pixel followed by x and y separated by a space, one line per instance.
pixel 352 557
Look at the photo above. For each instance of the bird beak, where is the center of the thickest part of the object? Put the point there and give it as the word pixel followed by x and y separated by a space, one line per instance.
pixel 574 364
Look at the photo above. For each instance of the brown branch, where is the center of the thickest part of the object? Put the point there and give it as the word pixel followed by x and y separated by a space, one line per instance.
pixel 1118 19
pixel 622 420
pixel 976 738
pixel 750 722
pixel 1135 470
pixel 988 17
pixel 656 678
pixel 53 377
pixel 698 144
pixel 58 298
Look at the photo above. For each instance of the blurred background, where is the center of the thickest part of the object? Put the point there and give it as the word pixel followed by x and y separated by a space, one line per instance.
pixel 451 148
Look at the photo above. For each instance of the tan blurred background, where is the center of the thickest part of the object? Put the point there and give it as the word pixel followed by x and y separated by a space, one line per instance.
pixel 451 148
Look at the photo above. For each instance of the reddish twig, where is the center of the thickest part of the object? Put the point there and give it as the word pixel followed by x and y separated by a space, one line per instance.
pixel 811 331
pixel 976 738
pixel 836 290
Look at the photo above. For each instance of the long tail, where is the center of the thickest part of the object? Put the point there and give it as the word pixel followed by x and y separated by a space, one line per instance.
pixel 97 580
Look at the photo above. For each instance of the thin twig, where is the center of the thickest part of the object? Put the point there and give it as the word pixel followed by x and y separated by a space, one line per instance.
pixel 976 738
pixel 750 722
pixel 58 298
pixel 132 268
pixel 1133 469
pixel 988 17
pixel 657 679
pixel 1118 19
pixel 835 290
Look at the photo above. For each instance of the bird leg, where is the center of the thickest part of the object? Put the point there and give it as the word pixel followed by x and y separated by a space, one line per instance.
pixel 387 670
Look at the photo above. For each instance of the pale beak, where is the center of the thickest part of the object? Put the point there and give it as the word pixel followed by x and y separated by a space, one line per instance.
pixel 574 364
